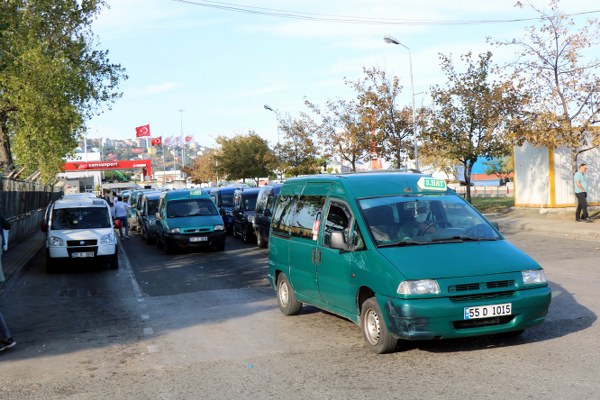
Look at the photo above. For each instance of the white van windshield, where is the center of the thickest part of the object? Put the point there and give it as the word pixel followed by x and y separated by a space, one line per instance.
pixel 80 218
pixel 403 220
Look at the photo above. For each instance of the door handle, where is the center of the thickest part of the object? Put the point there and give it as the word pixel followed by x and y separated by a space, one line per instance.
pixel 313 255
pixel 318 256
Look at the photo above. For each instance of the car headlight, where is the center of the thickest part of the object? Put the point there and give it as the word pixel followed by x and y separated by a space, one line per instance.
pixel 227 212
pixel 174 230
pixel 424 286
pixel 107 239
pixel 534 276
pixel 219 227
pixel 151 222
pixel 56 241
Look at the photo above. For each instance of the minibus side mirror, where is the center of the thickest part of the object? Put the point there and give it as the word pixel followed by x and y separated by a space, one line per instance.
pixel 495 225
pixel 44 227
pixel 267 212
pixel 338 241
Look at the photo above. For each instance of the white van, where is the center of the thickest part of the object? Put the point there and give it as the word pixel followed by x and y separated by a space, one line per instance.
pixel 80 229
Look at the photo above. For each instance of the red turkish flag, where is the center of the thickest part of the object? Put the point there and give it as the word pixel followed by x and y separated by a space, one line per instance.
pixel 156 141
pixel 142 131
pixel 188 139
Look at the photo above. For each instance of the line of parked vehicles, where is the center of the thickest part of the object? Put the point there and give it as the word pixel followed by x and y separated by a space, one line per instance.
pixel 192 218
pixel 401 255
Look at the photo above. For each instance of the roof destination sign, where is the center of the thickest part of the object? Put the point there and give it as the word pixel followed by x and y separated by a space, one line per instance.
pixel 428 183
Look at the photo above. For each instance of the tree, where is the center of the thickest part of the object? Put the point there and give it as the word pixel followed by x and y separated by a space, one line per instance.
pixel 470 116
pixel 501 167
pixel 392 127
pixel 52 80
pixel 244 156
pixel 341 130
pixel 204 169
pixel 298 153
pixel 561 85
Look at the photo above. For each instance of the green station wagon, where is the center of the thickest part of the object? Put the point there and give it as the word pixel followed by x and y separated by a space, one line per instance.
pixel 402 256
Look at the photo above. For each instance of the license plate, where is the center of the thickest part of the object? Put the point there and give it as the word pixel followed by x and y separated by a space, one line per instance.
pixel 199 239
pixel 83 254
pixel 495 310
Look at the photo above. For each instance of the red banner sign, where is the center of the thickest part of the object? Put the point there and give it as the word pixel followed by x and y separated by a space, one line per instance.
pixel 145 165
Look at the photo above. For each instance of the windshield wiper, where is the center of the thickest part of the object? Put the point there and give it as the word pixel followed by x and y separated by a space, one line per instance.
pixel 402 243
pixel 462 238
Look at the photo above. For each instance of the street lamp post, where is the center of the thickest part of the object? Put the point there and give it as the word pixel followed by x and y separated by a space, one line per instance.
pixel 389 39
pixel 267 107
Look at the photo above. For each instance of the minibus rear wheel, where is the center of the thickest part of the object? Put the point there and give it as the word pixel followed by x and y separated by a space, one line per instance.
pixel 377 338
pixel 286 298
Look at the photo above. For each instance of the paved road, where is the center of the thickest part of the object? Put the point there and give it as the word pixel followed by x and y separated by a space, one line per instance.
pixel 187 327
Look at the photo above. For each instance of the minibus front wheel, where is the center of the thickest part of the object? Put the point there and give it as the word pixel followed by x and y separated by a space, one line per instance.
pixel 377 337
pixel 286 298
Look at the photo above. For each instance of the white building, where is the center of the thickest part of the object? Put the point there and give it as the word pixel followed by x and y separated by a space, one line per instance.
pixel 544 177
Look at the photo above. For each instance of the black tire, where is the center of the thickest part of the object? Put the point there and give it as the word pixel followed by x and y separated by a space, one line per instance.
pixel 50 265
pixel 260 240
pixel 246 235
pixel 376 335
pixel 286 298
pixel 114 262
pixel 168 249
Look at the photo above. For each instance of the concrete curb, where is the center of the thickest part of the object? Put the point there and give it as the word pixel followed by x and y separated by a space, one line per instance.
pixel 556 227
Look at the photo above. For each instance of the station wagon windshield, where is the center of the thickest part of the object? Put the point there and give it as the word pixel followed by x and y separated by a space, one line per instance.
pixel 80 218
pixel 411 220
pixel 191 208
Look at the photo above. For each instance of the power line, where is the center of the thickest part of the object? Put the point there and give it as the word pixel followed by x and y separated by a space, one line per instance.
pixel 346 19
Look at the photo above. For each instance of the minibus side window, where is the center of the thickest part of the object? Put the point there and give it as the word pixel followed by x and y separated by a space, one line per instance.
pixel 339 218
pixel 282 215
pixel 307 216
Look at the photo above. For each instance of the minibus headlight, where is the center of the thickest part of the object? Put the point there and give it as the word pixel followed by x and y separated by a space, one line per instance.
pixel 219 227
pixel 107 239
pixel 424 286
pixel 56 241
pixel 534 276
pixel 174 230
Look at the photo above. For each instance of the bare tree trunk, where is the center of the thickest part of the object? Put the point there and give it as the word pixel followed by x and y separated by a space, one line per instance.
pixel 5 153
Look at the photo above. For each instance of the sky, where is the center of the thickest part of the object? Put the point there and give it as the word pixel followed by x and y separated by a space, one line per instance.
pixel 208 72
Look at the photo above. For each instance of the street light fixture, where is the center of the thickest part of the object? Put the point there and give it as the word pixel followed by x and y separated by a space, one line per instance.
pixel 391 40
pixel 267 107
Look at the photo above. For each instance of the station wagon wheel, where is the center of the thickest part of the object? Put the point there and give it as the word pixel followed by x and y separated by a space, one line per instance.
pixel 377 338
pixel 286 298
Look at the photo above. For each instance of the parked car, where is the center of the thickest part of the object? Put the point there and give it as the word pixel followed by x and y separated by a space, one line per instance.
pixel 79 230
pixel 147 209
pixel 401 256
pixel 187 219
pixel 223 198
pixel 133 211
pixel 262 214
pixel 244 203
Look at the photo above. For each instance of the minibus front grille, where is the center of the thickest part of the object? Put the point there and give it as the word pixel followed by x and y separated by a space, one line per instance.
pixel 77 243
pixel 481 296
pixel 477 323
pixel 188 231
pixel 482 286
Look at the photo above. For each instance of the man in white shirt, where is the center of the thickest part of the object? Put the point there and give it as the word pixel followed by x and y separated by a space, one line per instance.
pixel 581 188
pixel 121 214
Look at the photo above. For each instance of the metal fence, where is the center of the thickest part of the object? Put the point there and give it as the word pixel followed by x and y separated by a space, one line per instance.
pixel 23 203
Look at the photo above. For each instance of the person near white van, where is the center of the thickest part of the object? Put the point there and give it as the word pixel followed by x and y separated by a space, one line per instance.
pixel 121 214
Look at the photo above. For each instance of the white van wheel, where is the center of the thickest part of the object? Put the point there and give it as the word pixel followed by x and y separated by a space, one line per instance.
pixel 377 338
pixel 286 298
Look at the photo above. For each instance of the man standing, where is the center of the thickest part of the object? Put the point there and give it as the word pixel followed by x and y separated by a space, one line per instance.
pixel 121 214
pixel 581 187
